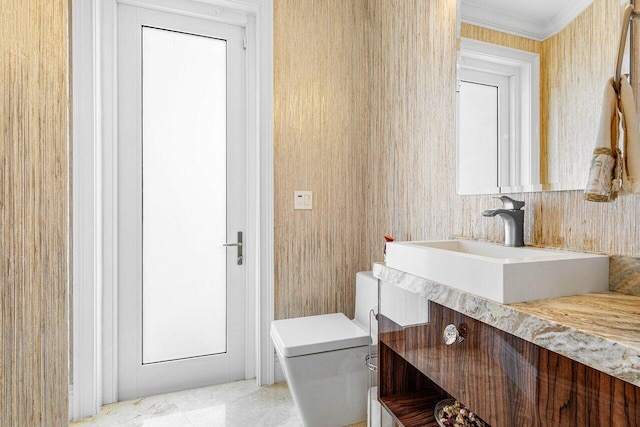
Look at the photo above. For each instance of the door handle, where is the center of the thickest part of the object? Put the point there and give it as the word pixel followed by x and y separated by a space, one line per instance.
pixel 238 244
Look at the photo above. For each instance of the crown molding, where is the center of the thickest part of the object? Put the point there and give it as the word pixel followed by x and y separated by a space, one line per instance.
pixel 509 21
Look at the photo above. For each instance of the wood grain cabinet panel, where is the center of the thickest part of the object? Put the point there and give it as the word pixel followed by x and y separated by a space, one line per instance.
pixel 406 392
pixel 506 380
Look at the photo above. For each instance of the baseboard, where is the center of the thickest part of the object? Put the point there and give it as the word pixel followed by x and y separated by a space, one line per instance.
pixel 71 404
pixel 278 375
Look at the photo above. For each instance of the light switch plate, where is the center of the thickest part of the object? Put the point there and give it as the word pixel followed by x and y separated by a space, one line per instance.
pixel 302 200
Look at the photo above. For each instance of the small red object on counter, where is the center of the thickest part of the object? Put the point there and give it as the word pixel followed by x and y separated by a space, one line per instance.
pixel 387 239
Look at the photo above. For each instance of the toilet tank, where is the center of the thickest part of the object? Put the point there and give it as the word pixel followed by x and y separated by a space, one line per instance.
pixel 366 299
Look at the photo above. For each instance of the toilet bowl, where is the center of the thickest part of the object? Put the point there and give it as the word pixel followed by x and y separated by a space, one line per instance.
pixel 323 360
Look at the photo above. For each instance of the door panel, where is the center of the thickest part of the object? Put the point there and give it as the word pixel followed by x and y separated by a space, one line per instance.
pixel 181 197
pixel 184 178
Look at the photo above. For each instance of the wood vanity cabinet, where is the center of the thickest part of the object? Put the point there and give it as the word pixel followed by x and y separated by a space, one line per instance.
pixel 506 380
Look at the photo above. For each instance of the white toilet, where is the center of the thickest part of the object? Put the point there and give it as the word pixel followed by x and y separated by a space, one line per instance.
pixel 323 360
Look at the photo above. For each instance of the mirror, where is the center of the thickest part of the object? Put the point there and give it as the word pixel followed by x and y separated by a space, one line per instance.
pixel 528 146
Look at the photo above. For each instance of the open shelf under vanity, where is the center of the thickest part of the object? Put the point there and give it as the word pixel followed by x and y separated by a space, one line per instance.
pixel 406 393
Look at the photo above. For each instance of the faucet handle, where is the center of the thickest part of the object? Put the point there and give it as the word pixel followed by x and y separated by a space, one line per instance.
pixel 509 203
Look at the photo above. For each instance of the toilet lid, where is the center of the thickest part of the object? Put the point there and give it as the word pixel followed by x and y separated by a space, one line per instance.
pixel 316 334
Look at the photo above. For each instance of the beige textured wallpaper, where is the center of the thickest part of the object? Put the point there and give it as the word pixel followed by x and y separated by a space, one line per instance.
pixel 496 37
pixel 576 64
pixel 321 136
pixel 412 150
pixel 34 244
pixel 390 167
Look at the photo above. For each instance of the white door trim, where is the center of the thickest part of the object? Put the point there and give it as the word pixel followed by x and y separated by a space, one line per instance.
pixel 85 394
pixel 95 199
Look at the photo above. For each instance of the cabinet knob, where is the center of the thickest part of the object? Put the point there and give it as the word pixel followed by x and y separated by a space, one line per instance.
pixel 453 334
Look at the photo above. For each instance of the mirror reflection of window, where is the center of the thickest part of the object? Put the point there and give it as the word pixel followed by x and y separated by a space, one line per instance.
pixel 480 139
pixel 498 119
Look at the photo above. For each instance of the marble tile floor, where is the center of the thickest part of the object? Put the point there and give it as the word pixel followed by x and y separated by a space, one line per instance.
pixel 237 404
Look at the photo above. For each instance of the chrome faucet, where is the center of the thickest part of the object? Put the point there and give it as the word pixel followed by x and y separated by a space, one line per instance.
pixel 513 217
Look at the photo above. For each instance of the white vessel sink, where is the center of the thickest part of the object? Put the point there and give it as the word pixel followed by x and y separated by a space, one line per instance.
pixel 500 273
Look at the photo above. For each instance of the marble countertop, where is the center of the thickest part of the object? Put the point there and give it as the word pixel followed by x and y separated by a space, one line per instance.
pixel 600 330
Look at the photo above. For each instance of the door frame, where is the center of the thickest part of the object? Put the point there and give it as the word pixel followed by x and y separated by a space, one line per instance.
pixel 94 189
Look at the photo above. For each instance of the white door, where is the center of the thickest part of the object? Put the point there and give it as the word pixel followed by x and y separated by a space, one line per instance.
pixel 181 197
